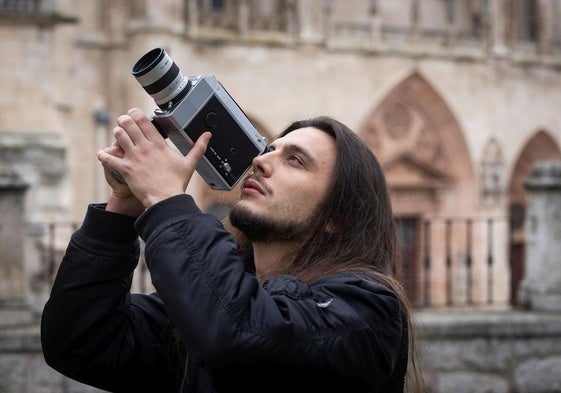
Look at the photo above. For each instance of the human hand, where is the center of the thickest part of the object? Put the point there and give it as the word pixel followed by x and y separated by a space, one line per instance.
pixel 122 200
pixel 152 170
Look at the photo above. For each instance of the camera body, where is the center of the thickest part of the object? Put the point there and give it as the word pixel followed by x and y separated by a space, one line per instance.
pixel 200 104
pixel 208 107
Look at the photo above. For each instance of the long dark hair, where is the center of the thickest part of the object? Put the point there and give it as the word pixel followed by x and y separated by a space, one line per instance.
pixel 353 227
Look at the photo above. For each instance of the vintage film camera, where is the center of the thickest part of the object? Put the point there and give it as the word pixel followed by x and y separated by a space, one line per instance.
pixel 189 106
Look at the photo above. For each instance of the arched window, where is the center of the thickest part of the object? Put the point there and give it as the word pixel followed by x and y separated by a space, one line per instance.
pixel 492 174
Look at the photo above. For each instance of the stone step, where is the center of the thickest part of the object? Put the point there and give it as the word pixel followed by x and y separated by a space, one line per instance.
pixel 11 318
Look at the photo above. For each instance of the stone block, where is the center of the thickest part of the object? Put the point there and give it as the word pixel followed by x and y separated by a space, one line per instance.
pixel 539 375
pixel 13 373
pixel 469 382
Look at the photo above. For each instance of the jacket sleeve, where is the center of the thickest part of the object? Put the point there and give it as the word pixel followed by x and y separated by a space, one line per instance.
pixel 91 324
pixel 224 315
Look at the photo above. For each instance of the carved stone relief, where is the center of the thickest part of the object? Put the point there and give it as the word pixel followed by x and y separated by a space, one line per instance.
pixel 417 140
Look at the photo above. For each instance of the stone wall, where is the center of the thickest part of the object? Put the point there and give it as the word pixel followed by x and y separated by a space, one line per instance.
pixel 23 368
pixel 508 351
pixel 494 352
pixel 12 190
pixel 64 75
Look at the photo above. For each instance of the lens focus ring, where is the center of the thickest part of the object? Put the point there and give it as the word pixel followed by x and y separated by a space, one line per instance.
pixel 161 78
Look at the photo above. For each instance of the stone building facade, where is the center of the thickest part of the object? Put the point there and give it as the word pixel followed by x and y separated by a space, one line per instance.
pixel 457 98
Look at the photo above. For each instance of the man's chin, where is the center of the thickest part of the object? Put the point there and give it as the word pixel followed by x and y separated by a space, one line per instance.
pixel 243 206
pixel 262 228
pixel 246 221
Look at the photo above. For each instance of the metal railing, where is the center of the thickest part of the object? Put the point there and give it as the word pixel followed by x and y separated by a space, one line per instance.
pixel 469 262
pixel 456 261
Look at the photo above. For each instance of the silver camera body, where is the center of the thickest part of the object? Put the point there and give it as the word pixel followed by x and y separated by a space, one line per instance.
pixel 199 104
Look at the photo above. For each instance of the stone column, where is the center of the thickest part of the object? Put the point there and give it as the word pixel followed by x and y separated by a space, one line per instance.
pixel 243 18
pixel 414 20
pixel 12 275
pixel 541 287
pixel 451 23
pixel 375 23
pixel 192 18
pixel 328 10
pixel 546 20
pixel 497 39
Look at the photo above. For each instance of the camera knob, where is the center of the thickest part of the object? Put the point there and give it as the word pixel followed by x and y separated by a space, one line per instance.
pixel 211 119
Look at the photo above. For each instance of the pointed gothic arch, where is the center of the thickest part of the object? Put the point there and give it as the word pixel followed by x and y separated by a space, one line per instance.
pixel 421 146
pixel 540 146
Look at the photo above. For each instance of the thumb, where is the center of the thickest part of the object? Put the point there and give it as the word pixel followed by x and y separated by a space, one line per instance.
pixel 106 159
pixel 198 149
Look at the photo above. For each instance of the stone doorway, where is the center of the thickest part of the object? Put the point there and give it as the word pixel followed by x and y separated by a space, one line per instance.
pixel 421 147
pixel 408 241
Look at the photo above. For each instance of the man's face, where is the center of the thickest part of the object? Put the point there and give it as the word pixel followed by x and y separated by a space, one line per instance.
pixel 288 182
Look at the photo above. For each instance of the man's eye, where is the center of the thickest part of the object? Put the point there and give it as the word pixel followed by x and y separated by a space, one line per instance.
pixel 269 149
pixel 296 159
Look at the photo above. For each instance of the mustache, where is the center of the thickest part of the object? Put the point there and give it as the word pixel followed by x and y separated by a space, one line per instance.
pixel 259 179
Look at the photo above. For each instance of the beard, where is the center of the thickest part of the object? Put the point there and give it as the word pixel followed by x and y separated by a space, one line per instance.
pixel 266 229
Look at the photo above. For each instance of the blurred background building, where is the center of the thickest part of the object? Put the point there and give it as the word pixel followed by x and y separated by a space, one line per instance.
pixel 457 98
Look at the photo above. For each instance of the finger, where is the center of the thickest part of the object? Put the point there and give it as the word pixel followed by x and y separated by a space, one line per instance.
pixel 108 160
pixel 148 129
pixel 199 148
pixel 115 144
pixel 129 125
pixel 115 150
pixel 122 139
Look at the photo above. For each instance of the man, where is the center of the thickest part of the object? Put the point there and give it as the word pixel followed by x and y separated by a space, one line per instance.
pixel 298 295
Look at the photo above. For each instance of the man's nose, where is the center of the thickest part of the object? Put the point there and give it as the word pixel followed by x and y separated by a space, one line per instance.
pixel 262 163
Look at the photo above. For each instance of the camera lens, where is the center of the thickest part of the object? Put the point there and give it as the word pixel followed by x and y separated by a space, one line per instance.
pixel 161 78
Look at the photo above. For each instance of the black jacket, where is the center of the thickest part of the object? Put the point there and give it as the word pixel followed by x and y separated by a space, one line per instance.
pixel 344 333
